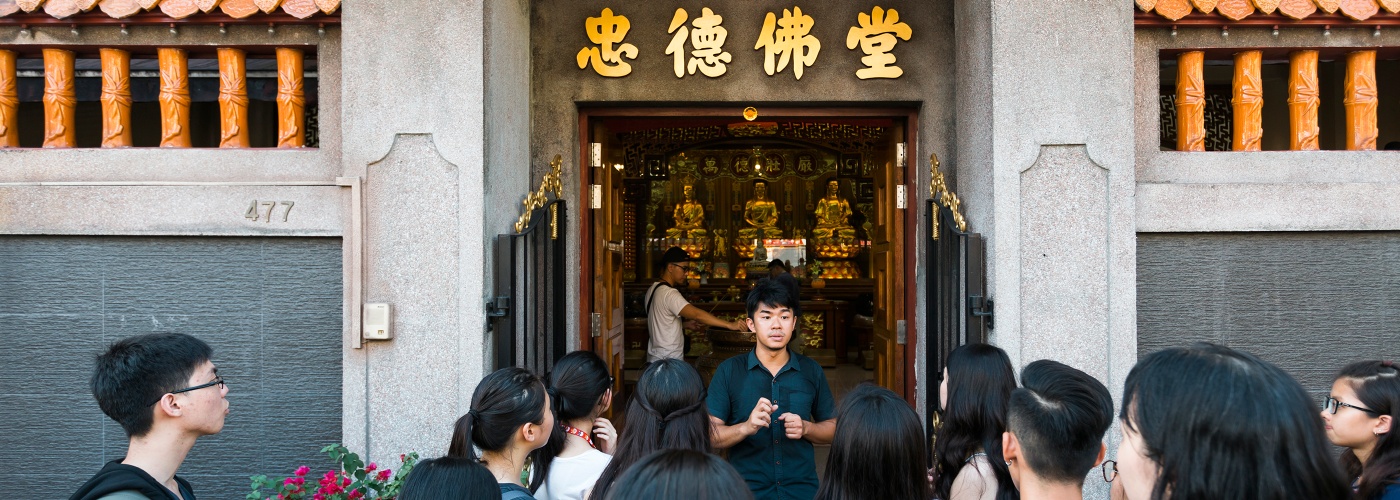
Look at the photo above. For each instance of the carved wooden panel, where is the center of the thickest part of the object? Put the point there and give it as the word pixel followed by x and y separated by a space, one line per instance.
pixel 233 99
pixel 116 98
pixel 329 6
pixel 1173 9
pixel 300 9
pixel 1235 9
pixel 1248 101
pixel 1205 6
pixel 120 9
pixel 1191 102
pixel 29 5
pixel 179 9
pixel 1266 6
pixel 1328 6
pixel 174 98
pixel 1361 100
pixel 206 6
pixel 9 100
pixel 8 7
pixel 1297 9
pixel 1391 6
pixel 1302 100
pixel 291 99
pixel 267 6
pixel 1359 10
pixel 61 8
pixel 239 9
pixel 60 99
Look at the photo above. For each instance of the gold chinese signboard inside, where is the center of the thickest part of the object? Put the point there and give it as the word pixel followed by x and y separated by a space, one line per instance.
pixel 786 41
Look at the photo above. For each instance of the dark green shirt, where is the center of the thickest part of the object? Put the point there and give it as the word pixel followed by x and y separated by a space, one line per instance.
pixel 774 466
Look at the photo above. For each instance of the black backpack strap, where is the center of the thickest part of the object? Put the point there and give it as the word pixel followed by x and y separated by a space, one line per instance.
pixel 658 286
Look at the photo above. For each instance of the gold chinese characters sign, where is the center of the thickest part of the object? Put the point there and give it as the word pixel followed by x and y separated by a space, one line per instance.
pixel 786 41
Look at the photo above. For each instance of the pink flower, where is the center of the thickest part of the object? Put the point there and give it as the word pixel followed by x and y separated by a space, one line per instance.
pixel 384 474
pixel 371 467
pixel 403 457
pixel 345 482
pixel 303 470
pixel 318 496
pixel 289 482
pixel 355 495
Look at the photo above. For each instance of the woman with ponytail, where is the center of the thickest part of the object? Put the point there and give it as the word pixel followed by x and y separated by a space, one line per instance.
pixel 509 418
pixel 1360 415
pixel 579 450
pixel 667 411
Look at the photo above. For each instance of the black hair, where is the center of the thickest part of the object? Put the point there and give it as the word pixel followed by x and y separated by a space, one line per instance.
pixel 980 381
pixel 877 451
pixel 505 400
pixel 576 386
pixel 1220 423
pixel 449 478
pixel 680 474
pixel 1059 415
pixel 667 410
pixel 136 372
pixel 1392 146
pixel 778 263
pixel 1377 386
pixel 771 293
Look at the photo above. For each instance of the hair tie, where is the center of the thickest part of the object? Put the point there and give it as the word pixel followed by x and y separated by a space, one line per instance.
pixel 683 411
pixel 474 414
pixel 1388 364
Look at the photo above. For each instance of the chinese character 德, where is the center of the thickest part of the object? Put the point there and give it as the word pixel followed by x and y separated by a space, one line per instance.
pixel 605 31
pixel 876 37
pixel 790 40
pixel 708 39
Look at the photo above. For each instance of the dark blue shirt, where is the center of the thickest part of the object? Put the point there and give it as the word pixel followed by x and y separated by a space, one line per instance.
pixel 774 466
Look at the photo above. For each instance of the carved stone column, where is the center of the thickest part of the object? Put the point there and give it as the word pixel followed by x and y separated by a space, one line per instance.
pixel 1302 100
pixel 1248 127
pixel 233 99
pixel 116 98
pixel 60 100
pixel 1190 102
pixel 9 101
pixel 1361 100
pixel 174 98
pixel 291 99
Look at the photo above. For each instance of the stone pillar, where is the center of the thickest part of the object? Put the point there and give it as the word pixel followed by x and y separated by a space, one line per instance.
pixel 419 145
pixel 1048 178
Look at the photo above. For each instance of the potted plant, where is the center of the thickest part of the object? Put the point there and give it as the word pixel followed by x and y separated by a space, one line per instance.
pixel 352 480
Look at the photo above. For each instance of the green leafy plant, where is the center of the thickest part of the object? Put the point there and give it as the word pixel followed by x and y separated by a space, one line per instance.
pixel 354 480
pixel 814 269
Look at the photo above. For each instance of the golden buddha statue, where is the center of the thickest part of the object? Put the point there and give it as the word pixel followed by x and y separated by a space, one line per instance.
pixel 762 216
pixel 690 217
pixel 833 215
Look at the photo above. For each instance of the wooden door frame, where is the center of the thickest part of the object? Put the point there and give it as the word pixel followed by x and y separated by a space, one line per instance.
pixel 910 114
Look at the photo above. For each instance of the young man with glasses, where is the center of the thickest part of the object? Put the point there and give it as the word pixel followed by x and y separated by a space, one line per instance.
pixel 1054 432
pixel 165 392
pixel 666 306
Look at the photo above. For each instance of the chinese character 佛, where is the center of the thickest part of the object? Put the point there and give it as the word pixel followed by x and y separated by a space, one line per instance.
pixel 605 31
pixel 708 39
pixel 876 37
pixel 790 40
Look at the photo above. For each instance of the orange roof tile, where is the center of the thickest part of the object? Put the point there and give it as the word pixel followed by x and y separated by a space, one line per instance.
pixel 1205 12
pixel 176 9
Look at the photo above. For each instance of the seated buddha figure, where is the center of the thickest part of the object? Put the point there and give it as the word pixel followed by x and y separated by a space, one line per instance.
pixel 690 217
pixel 762 216
pixel 833 215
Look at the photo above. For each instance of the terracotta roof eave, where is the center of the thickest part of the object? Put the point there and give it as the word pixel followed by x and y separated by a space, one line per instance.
pixel 155 17
pixel 1198 19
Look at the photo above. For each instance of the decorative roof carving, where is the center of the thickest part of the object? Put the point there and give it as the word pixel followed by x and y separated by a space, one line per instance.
pixel 1253 12
pixel 177 9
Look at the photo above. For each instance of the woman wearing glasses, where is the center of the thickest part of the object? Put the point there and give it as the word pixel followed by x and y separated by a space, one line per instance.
pixel 1360 414
pixel 1209 422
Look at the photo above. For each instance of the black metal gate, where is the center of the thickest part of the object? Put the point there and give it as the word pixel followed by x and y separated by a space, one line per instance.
pixel 958 310
pixel 527 309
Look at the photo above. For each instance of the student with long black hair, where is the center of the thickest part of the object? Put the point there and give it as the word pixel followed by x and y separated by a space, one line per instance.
pixel 977 382
pixel 509 418
pixel 667 410
pixel 1360 415
pixel 1208 422
pixel 680 475
pixel 581 447
pixel 449 478
pixel 877 452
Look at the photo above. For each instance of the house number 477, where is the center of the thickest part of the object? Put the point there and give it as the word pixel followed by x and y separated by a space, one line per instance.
pixel 264 210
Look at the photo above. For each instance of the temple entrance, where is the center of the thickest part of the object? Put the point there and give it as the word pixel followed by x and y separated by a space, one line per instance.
pixel 822 191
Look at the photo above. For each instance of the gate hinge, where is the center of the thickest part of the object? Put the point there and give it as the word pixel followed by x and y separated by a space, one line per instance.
pixel 901 195
pixel 901 332
pixel 595 324
pixel 595 156
pixel 498 307
pixel 980 307
pixel 595 198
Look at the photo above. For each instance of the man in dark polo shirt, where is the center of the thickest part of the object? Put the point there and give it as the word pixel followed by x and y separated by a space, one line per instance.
pixel 769 406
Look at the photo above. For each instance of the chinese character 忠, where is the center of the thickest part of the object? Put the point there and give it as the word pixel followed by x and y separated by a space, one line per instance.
pixel 607 30
pixel 708 39
pixel 876 36
pixel 790 40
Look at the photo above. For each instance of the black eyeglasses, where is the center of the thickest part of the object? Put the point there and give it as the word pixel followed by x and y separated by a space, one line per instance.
pixel 218 380
pixel 1330 406
pixel 1109 470
pixel 683 268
